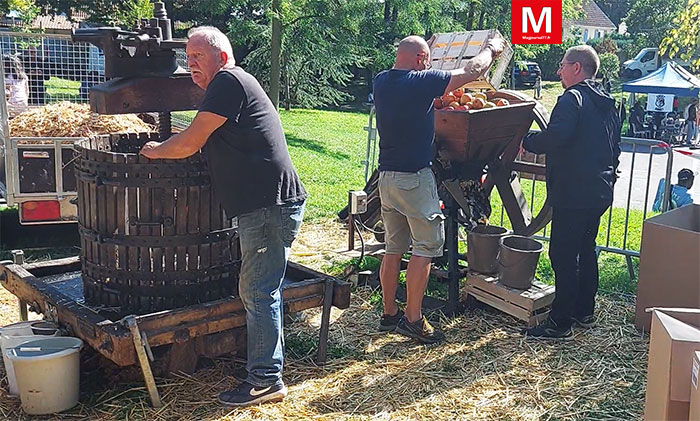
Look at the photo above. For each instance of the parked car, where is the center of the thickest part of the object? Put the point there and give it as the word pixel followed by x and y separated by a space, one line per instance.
pixel 525 73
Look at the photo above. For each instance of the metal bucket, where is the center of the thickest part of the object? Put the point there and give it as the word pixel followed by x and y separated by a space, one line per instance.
pixel 517 261
pixel 483 243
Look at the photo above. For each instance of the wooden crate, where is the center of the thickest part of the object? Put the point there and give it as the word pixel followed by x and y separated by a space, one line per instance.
pixel 481 135
pixel 451 51
pixel 531 305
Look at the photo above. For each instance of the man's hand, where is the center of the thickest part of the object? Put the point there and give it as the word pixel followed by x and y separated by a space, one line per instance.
pixel 149 150
pixel 496 46
pixel 476 66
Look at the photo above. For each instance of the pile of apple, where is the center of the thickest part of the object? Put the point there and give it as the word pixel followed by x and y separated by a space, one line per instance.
pixel 459 100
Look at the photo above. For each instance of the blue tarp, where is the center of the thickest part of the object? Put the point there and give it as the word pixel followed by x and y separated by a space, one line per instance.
pixel 670 79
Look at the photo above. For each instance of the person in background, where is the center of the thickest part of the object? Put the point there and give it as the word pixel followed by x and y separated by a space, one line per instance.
pixel 582 146
pixel 691 123
pixel 622 112
pixel 16 86
pixel 636 121
pixel 538 87
pixel 680 195
pixel 38 71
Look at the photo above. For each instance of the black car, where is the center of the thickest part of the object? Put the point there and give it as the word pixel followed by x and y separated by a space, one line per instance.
pixel 526 72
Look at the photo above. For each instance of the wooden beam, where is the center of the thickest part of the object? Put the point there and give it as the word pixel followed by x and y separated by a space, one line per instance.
pixel 54 267
pixel 110 339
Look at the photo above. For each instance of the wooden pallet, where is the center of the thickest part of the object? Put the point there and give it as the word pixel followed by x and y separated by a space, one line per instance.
pixel 530 305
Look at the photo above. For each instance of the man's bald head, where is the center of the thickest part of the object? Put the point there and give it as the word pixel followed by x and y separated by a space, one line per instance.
pixel 413 54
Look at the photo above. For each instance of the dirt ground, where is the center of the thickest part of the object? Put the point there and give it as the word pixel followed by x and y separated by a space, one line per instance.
pixel 484 371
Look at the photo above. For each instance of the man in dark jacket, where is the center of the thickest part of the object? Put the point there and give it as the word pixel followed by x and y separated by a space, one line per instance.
pixel 582 144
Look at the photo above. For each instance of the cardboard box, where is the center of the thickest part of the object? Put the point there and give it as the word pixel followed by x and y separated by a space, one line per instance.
pixel 669 270
pixel 695 388
pixel 675 337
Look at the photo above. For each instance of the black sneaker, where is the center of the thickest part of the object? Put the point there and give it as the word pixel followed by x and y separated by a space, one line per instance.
pixel 549 330
pixel 246 395
pixel 388 323
pixel 420 329
pixel 586 322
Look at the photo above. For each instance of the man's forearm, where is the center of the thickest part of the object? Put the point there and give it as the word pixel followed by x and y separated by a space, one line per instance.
pixel 176 147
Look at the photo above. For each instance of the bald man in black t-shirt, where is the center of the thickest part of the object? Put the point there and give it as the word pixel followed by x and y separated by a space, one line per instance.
pixel 240 133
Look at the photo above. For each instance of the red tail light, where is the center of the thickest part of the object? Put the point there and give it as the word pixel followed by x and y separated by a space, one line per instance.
pixel 45 210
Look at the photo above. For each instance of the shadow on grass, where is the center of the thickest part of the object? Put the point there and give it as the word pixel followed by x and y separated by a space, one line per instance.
pixel 312 145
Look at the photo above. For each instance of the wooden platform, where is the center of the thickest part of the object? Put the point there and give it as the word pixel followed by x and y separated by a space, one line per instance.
pixel 530 305
pixel 54 288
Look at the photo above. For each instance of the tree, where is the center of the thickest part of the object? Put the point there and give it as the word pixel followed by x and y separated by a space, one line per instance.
pixel 684 39
pixel 616 10
pixel 123 12
pixel 26 9
pixel 653 18
pixel 609 65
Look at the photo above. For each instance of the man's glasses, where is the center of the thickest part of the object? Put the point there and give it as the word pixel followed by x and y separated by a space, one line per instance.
pixel 564 63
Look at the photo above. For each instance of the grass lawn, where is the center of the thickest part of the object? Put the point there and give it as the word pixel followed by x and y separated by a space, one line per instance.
pixel 327 149
pixel 58 89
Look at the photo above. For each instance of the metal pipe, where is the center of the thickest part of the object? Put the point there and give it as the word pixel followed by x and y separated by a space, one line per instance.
pixel 629 196
pixel 667 186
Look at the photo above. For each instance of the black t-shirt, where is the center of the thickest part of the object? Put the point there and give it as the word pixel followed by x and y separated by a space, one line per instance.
pixel 248 156
pixel 692 112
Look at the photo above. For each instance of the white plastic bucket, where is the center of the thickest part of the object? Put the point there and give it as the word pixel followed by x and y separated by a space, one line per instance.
pixel 48 374
pixel 16 334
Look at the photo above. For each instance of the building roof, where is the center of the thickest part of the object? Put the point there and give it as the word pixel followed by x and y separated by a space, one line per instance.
pixel 592 16
pixel 49 22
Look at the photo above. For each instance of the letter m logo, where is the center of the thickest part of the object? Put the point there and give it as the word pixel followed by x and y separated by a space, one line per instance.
pixel 536 25
pixel 536 21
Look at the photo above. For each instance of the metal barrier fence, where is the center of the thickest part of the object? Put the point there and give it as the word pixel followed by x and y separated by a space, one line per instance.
pixel 631 202
pixel 631 199
pixel 56 69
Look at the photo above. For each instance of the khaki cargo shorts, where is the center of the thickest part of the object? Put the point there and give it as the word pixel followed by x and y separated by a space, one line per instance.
pixel 411 213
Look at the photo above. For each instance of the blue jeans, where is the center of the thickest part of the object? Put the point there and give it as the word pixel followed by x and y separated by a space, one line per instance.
pixel 266 236
pixel 690 136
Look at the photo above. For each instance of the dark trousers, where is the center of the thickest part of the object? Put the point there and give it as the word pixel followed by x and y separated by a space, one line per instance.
pixel 572 252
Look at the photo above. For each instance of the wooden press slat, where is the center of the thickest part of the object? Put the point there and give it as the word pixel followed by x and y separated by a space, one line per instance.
pixel 145 262
pixel 108 225
pixel 204 226
pixel 169 257
pixel 94 246
pixel 215 223
pixel 157 211
pixel 193 228
pixel 181 228
pixel 132 212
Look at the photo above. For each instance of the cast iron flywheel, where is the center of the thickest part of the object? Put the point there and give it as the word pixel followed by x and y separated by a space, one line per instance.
pixel 519 212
